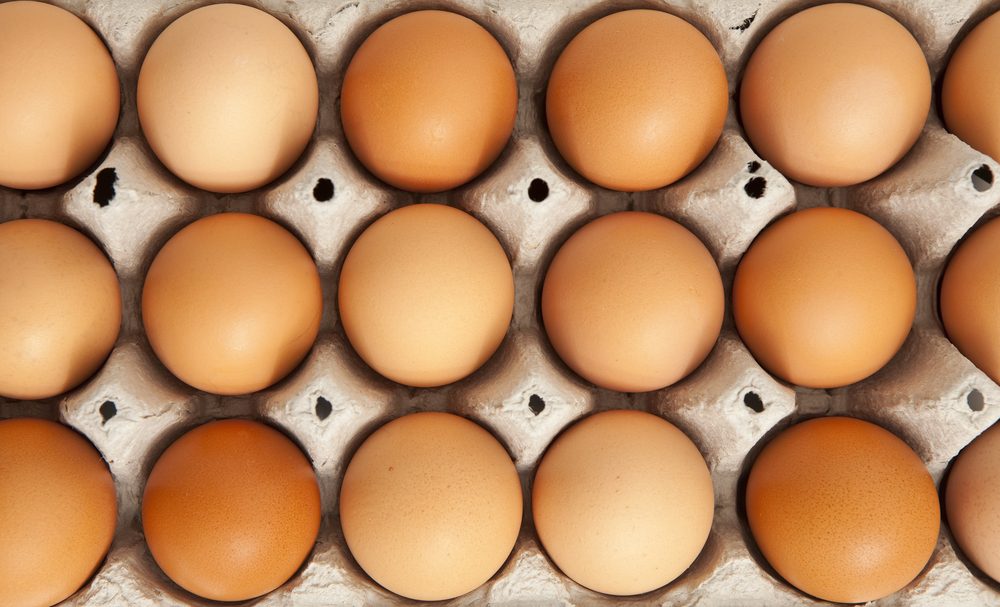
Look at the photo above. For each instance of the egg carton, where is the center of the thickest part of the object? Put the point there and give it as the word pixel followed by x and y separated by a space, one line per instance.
pixel 929 394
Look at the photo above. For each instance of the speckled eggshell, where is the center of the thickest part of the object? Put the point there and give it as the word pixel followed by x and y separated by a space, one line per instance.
pixel 842 509
pixel 835 94
pixel 431 506
pixel 231 510
pixel 633 302
pixel 972 502
pixel 824 297
pixel 57 512
pixel 971 90
pixel 623 502
pixel 637 100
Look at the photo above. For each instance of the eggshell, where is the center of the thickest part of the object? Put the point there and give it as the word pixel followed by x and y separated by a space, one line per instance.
pixel 970 93
pixel 970 298
pixel 637 100
pixel 623 502
pixel 842 509
pixel 835 94
pixel 633 302
pixel 428 101
pixel 972 501
pixel 227 98
pixel 824 297
pixel 231 510
pixel 426 295
pixel 60 310
pixel 232 303
pixel 430 506
pixel 57 512
pixel 60 96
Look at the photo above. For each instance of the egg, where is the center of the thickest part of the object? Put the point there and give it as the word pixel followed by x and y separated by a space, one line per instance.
pixel 430 506
pixel 231 510
pixel 227 98
pixel 60 96
pixel 824 297
pixel 972 502
pixel 623 502
pixel 57 512
pixel 60 312
pixel 428 101
pixel 842 509
pixel 835 95
pixel 971 89
pixel 636 100
pixel 632 302
pixel 426 295
pixel 232 303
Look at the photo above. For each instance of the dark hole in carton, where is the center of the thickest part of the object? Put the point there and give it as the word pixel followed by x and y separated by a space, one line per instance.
pixel 755 187
pixel 323 408
pixel 982 178
pixel 746 23
pixel 104 189
pixel 536 404
pixel 108 410
pixel 538 190
pixel 323 190
pixel 753 166
pixel 975 400
pixel 754 402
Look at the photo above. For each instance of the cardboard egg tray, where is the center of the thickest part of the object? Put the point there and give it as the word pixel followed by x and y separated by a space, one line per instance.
pixel 929 395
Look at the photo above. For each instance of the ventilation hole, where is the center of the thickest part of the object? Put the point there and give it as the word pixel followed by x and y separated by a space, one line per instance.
pixel 108 410
pixel 753 166
pixel 755 187
pixel 538 190
pixel 104 189
pixel 975 400
pixel 536 404
pixel 323 190
pixel 753 401
pixel 982 178
pixel 323 408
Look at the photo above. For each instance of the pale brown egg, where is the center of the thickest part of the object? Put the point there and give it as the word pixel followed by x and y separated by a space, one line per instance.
pixel 824 297
pixel 623 502
pixel 428 101
pixel 971 90
pixel 426 295
pixel 430 506
pixel 227 98
pixel 60 309
pixel 842 509
pixel 57 512
pixel 835 94
pixel 59 99
pixel 633 302
pixel 637 100
pixel 231 510
pixel 232 303
pixel 972 502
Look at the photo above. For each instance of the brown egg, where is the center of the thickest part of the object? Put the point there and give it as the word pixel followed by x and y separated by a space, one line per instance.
pixel 426 295
pixel 232 303
pixel 835 94
pixel 59 99
pixel 824 297
pixel 637 100
pixel 60 309
pixel 971 90
pixel 227 98
pixel 231 510
pixel 842 509
pixel 633 302
pixel 623 502
pixel 428 101
pixel 430 506
pixel 972 502
pixel 57 512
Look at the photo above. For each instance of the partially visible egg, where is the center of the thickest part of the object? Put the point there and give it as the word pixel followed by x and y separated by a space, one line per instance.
pixel 637 100
pixel 231 510
pixel 57 512
pixel 835 94
pixel 824 297
pixel 970 93
pixel 842 509
pixel 59 99
pixel 972 501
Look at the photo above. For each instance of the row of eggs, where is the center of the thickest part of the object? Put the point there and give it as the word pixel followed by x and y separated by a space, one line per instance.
pixel 228 97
